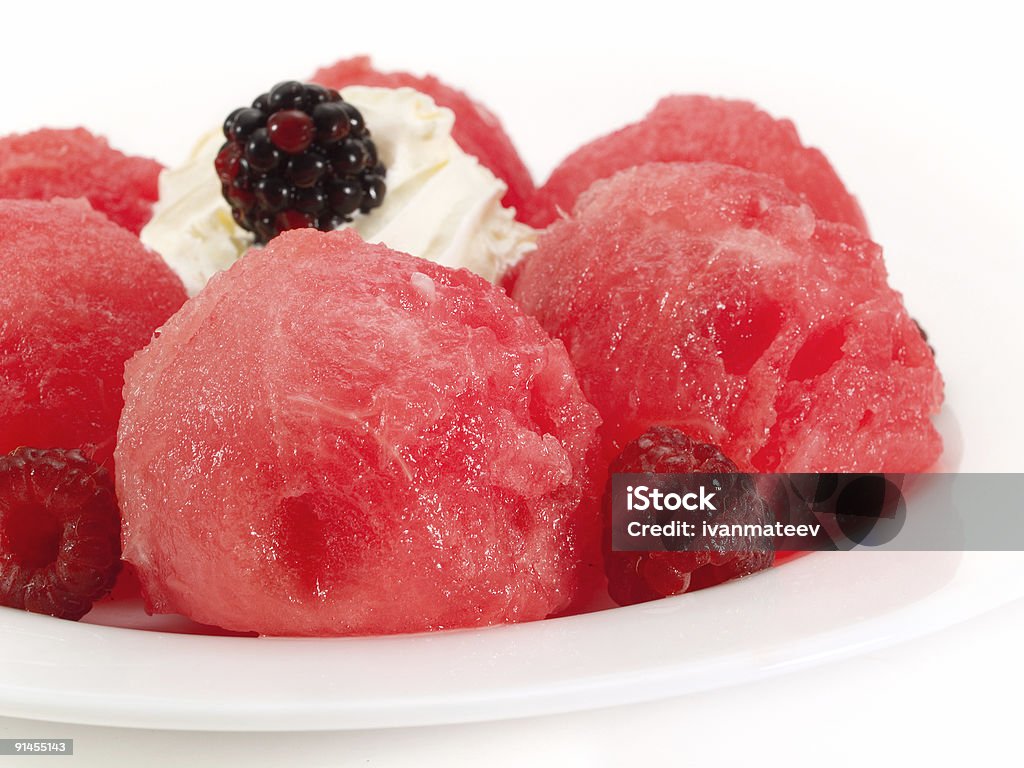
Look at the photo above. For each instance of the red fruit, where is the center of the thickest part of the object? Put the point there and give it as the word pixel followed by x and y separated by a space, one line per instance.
pixel 335 438
pixel 695 129
pixel 292 220
pixel 476 129
pixel 79 296
pixel 228 162
pixel 710 298
pixel 291 130
pixel 636 577
pixel 51 163
pixel 60 545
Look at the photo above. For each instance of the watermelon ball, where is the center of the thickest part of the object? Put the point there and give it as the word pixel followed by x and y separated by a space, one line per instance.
pixel 71 163
pixel 477 131
pixel 79 296
pixel 716 302
pixel 335 438
pixel 696 129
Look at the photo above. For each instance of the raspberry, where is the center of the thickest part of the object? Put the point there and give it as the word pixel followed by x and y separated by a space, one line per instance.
pixel 60 532
pixel 636 577
pixel 298 157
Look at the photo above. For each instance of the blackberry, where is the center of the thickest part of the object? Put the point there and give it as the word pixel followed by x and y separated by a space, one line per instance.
pixel 60 532
pixel 298 157
pixel 924 336
pixel 636 577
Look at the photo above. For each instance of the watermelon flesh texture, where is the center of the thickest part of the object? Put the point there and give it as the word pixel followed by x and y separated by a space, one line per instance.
pixel 716 302
pixel 697 129
pixel 477 131
pixel 72 163
pixel 79 296
pixel 334 438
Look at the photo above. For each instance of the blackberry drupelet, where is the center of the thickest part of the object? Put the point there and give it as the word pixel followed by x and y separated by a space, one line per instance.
pixel 298 157
pixel 60 532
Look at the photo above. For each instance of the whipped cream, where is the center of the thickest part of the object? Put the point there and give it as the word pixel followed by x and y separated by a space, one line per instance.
pixel 441 204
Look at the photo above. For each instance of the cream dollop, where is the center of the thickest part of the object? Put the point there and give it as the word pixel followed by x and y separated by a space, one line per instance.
pixel 441 204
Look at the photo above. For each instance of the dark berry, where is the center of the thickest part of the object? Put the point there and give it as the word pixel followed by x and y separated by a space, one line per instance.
pixel 349 157
pixel 924 336
pixel 312 201
pixel 239 196
pixel 305 170
pixel 261 153
pixel 286 95
pixel 355 118
pixel 242 122
pixel 298 157
pixel 314 94
pixel 373 193
pixel 636 577
pixel 60 532
pixel 345 196
pixel 227 162
pixel 292 219
pixel 272 194
pixel 265 229
pixel 331 121
pixel 291 130
pixel 229 122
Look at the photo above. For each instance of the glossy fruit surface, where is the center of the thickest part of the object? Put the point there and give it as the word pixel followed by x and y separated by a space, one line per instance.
pixel 336 438
pixel 716 302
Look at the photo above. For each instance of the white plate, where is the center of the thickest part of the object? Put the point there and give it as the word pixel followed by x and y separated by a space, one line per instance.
pixel 819 608
pixel 809 611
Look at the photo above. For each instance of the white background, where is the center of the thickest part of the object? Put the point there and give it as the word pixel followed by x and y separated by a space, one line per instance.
pixel 919 109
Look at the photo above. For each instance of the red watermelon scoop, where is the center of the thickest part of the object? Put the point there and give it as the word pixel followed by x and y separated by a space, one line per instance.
pixel 695 129
pixel 476 130
pixel 72 163
pixel 79 296
pixel 334 438
pixel 712 299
